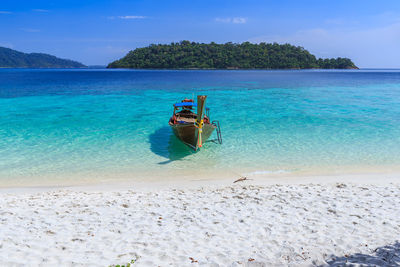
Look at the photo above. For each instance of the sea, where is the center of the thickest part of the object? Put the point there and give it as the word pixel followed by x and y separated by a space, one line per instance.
pixel 78 126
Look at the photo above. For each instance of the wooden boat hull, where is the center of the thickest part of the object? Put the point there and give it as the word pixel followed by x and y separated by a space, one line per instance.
pixel 187 133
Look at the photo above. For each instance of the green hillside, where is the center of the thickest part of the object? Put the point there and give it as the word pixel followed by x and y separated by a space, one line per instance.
pixel 191 55
pixel 10 58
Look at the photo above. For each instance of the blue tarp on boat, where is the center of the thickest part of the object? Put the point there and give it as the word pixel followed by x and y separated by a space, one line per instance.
pixel 185 104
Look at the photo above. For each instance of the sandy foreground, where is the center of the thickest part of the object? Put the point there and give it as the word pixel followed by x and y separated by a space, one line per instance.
pixel 248 223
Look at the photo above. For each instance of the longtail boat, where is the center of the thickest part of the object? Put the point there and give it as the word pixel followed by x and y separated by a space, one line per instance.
pixel 191 128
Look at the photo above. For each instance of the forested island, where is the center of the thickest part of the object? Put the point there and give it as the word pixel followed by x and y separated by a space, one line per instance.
pixel 191 55
pixel 10 58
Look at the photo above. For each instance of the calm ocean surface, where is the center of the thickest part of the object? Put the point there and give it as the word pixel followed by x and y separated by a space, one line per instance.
pixel 73 126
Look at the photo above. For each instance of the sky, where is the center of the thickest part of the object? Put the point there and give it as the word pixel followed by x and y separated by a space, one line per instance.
pixel 96 32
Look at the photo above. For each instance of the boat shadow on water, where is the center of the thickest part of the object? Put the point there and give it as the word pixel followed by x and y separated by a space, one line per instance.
pixel 165 144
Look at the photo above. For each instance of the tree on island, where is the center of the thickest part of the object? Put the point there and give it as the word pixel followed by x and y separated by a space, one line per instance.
pixel 192 55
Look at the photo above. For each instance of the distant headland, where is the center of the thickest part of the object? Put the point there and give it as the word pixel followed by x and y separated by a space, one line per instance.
pixel 10 58
pixel 192 55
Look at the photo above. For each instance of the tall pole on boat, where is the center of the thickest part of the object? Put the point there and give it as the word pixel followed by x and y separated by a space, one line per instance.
pixel 201 106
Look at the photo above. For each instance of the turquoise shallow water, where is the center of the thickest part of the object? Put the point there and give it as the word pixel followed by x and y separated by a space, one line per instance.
pixel 84 125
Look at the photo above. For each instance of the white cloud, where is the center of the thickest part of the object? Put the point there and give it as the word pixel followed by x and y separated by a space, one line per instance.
pixel 29 30
pixel 373 47
pixel 40 10
pixel 223 20
pixel 239 20
pixel 5 12
pixel 235 20
pixel 132 17
pixel 127 17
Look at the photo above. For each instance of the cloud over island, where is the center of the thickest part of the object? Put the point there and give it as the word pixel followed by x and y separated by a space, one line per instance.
pixel 29 30
pixel 40 10
pixel 234 20
pixel 127 17
pixel 359 44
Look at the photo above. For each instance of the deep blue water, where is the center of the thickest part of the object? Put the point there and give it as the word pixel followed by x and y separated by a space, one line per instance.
pixel 103 124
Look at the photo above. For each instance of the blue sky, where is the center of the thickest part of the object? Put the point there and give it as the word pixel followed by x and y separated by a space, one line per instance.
pixel 97 32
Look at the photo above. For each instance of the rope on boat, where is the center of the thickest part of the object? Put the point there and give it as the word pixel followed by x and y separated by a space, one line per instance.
pixel 200 144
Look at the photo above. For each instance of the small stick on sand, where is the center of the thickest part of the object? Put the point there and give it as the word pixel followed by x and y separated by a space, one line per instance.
pixel 241 179
pixel 193 260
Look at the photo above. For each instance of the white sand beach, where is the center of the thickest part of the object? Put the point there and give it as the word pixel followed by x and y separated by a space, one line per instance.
pixel 310 222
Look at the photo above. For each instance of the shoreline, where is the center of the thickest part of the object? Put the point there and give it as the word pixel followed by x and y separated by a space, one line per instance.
pixel 196 182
